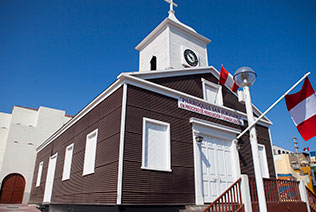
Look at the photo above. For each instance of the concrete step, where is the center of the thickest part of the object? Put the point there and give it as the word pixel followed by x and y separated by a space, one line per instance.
pixel 194 208
pixel 200 208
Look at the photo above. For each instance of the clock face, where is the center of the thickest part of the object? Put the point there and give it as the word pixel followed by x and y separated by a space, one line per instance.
pixel 190 57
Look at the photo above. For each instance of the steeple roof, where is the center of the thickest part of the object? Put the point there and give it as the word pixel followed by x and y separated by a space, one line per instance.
pixel 173 21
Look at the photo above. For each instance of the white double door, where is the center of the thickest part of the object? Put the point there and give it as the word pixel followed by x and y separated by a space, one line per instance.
pixel 217 167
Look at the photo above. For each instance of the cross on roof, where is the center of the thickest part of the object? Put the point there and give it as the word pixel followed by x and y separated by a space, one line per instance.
pixel 171 5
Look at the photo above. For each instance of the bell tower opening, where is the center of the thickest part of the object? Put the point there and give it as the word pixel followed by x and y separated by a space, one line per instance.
pixel 153 63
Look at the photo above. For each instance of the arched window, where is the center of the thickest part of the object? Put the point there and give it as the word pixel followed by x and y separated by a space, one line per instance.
pixel 153 63
pixel 279 152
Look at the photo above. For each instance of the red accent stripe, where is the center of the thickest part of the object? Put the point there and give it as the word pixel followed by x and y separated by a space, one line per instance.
pixel 235 87
pixel 223 76
pixel 292 100
pixel 307 128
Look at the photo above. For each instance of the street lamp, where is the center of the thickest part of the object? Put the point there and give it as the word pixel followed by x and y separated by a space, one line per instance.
pixel 245 77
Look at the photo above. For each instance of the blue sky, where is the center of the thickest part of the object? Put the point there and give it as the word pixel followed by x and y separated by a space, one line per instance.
pixel 62 54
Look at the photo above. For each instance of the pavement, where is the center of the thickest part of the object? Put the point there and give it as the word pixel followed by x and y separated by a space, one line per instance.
pixel 18 208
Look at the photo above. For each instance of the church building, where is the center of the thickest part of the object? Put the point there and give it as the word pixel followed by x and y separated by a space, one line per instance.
pixel 162 137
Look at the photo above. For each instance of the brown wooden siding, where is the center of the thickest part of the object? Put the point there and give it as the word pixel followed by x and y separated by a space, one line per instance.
pixel 176 187
pixel 245 155
pixel 192 85
pixel 100 187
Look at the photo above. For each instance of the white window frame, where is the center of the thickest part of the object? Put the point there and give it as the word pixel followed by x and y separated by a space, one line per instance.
pixel 219 96
pixel 168 143
pixel 265 161
pixel 39 174
pixel 89 158
pixel 50 178
pixel 67 162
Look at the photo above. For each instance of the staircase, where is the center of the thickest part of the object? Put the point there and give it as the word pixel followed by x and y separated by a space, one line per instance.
pixel 228 201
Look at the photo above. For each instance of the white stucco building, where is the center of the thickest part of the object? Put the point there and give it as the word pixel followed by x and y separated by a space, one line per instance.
pixel 21 132
pixel 277 150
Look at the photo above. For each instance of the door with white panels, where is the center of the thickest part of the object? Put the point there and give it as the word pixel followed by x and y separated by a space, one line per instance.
pixel 217 173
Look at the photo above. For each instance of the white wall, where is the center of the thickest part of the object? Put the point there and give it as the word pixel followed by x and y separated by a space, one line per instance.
pixel 27 130
pixel 157 47
pixel 283 151
pixel 166 44
pixel 5 120
pixel 179 38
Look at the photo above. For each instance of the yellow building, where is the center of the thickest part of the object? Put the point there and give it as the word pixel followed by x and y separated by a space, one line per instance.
pixel 309 179
pixel 285 171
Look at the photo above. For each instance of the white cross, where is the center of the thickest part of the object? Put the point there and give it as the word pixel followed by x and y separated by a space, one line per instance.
pixel 171 5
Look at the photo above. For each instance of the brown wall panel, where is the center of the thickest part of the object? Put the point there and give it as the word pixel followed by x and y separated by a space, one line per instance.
pixel 103 180
pixel 145 186
pixel 101 186
pixel 192 85
pixel 152 184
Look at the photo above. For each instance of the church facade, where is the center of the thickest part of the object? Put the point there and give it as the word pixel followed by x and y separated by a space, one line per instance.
pixel 162 137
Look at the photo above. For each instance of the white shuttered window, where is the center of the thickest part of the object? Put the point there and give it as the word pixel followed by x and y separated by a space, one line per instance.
pixel 212 92
pixel 39 174
pixel 90 153
pixel 67 162
pixel 156 145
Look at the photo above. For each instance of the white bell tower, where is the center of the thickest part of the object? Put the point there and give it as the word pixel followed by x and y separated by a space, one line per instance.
pixel 172 45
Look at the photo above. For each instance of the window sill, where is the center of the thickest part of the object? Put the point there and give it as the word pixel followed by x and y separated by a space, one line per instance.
pixel 156 169
pixel 86 174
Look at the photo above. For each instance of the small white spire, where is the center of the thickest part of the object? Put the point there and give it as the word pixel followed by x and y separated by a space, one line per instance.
pixel 172 15
pixel 171 11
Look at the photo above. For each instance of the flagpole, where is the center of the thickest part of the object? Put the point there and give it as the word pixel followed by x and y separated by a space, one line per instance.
pixel 298 82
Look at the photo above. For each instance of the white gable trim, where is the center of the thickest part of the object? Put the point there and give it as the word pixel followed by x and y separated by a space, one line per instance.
pixel 171 72
pixel 115 86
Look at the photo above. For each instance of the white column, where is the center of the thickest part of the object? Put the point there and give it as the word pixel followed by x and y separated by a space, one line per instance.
pixel 245 193
pixel 255 152
pixel 303 194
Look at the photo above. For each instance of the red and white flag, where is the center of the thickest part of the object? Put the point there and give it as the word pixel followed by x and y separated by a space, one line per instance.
pixel 306 149
pixel 302 107
pixel 226 78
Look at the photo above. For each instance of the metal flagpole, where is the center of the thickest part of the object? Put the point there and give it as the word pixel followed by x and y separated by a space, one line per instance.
pixel 263 114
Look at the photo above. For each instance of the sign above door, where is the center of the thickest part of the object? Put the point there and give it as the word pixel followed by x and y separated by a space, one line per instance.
pixel 211 111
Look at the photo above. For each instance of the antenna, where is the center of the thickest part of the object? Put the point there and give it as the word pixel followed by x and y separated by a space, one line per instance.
pixel 298 158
